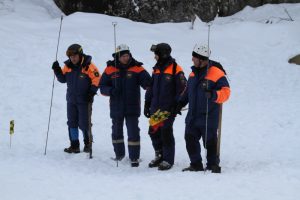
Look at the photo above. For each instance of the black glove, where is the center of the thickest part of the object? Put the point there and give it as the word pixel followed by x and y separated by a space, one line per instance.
pixel 147 109
pixel 179 106
pixel 90 97
pixel 176 109
pixel 56 68
pixel 114 91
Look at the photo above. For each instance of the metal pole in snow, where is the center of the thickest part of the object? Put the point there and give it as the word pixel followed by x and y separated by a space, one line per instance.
pixel 61 19
pixel 115 57
pixel 206 117
pixel 11 131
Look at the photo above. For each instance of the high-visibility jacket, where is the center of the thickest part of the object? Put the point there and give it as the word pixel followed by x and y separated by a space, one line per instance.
pixel 200 81
pixel 81 80
pixel 168 82
pixel 122 83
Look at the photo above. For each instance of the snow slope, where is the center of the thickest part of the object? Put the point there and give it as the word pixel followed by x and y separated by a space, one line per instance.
pixel 260 143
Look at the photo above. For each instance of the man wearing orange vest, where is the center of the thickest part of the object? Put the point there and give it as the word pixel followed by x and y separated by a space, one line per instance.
pixel 168 82
pixel 121 81
pixel 207 89
pixel 82 78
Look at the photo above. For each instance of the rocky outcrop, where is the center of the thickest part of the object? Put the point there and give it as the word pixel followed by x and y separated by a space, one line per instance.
pixel 156 11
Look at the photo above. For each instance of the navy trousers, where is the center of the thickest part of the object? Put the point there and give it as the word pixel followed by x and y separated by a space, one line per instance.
pixel 193 134
pixel 133 132
pixel 77 117
pixel 163 140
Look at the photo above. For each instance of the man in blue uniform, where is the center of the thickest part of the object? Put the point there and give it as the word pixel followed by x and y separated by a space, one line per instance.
pixel 168 82
pixel 207 89
pixel 82 78
pixel 121 81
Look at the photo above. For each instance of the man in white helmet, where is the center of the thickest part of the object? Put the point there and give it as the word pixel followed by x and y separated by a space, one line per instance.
pixel 207 89
pixel 121 81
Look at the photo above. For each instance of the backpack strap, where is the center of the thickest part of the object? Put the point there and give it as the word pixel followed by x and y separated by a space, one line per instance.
pixel 174 68
pixel 174 74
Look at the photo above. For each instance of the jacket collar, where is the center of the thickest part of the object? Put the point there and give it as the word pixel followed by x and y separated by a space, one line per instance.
pixel 161 65
pixel 131 63
pixel 85 61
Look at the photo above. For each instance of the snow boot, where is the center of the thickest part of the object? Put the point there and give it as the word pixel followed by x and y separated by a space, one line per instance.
pixel 164 165
pixel 157 160
pixel 214 168
pixel 194 168
pixel 87 146
pixel 118 158
pixel 134 163
pixel 74 148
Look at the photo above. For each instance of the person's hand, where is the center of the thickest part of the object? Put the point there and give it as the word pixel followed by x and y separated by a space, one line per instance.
pixel 176 109
pixel 90 96
pixel 56 68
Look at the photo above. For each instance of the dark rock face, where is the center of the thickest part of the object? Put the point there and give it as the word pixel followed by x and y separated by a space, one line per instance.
pixel 229 7
pixel 156 11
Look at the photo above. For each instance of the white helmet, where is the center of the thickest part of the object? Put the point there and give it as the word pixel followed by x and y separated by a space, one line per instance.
pixel 202 50
pixel 122 47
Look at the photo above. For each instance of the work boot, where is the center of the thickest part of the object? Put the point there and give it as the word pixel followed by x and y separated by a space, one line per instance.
pixel 194 168
pixel 164 165
pixel 214 168
pixel 87 146
pixel 157 160
pixel 74 148
pixel 134 163
pixel 118 158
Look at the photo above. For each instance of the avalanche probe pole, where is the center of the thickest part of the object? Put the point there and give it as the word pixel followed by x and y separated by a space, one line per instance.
pixel 206 117
pixel 219 131
pixel 115 57
pixel 11 131
pixel 90 128
pixel 61 19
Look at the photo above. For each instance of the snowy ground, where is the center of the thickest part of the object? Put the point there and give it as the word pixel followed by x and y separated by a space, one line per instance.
pixel 260 144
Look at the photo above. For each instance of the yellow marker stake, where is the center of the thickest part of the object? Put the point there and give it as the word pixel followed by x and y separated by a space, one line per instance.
pixel 11 130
